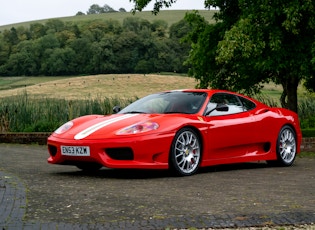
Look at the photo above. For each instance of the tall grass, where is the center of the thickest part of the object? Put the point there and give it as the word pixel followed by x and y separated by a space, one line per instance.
pixel 306 109
pixel 307 113
pixel 25 113
pixel 28 113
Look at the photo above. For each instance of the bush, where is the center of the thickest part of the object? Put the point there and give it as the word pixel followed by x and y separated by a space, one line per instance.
pixel 308 122
pixel 42 126
pixel 308 132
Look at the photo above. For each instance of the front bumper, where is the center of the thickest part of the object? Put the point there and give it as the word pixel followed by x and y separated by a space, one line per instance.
pixel 145 152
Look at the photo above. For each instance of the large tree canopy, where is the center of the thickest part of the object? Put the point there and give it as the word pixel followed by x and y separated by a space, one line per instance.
pixel 94 47
pixel 253 42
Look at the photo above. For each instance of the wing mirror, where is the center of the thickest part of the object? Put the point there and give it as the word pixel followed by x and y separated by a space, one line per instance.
pixel 222 108
pixel 116 109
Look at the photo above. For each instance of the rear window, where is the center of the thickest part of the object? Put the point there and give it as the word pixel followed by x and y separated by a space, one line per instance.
pixel 247 104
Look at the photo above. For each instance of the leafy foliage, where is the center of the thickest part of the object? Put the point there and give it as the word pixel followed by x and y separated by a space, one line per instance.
pixel 91 47
pixel 96 9
pixel 253 42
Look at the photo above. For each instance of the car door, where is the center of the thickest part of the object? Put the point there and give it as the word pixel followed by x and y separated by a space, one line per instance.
pixel 231 133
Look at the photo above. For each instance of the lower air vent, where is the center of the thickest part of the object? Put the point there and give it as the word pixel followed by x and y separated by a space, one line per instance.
pixel 120 153
pixel 52 150
pixel 267 146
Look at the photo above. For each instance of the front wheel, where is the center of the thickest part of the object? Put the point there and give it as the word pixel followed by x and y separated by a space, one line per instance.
pixel 185 155
pixel 286 147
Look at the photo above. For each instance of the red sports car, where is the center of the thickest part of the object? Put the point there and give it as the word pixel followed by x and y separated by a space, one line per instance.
pixel 180 130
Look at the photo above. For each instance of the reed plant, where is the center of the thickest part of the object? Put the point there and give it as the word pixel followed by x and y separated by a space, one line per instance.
pixel 307 116
pixel 25 113
pixel 29 113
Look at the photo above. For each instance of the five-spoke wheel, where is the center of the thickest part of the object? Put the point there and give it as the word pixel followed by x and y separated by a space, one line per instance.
pixel 185 152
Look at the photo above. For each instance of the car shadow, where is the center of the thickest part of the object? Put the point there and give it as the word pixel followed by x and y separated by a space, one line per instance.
pixel 119 173
pixel 151 173
pixel 234 167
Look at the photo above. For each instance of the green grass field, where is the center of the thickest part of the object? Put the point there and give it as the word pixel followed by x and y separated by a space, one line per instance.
pixel 22 82
pixel 169 16
pixel 111 85
pixel 94 86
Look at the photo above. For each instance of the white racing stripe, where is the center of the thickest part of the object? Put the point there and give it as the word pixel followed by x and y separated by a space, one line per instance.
pixel 94 128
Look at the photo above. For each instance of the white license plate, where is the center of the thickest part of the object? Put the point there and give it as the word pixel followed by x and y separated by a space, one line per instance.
pixel 75 150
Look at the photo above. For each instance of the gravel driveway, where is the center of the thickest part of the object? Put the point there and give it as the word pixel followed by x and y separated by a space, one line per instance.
pixel 251 194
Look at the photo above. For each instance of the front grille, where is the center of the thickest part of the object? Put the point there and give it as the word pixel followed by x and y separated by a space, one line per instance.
pixel 120 153
pixel 52 150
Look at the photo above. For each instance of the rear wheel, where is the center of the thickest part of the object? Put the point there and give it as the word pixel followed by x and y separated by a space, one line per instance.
pixel 185 153
pixel 89 166
pixel 286 147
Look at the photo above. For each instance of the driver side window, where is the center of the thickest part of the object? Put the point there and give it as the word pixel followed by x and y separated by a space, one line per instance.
pixel 231 101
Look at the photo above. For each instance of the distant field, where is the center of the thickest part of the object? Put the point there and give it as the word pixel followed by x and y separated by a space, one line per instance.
pixel 110 85
pixel 170 16
pixel 98 86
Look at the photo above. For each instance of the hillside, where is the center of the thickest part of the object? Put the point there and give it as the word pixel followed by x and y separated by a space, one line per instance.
pixel 95 86
pixel 170 16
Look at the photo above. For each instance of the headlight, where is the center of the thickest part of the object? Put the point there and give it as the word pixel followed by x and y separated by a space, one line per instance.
pixel 65 127
pixel 139 128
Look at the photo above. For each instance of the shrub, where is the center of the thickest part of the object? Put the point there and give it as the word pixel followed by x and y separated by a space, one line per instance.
pixel 308 132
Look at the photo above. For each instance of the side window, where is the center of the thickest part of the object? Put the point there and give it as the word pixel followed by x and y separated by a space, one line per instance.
pixel 231 101
pixel 247 104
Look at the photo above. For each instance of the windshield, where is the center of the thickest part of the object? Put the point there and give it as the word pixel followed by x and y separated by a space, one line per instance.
pixel 169 102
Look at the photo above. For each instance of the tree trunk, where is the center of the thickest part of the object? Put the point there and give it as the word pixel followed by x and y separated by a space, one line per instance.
pixel 289 94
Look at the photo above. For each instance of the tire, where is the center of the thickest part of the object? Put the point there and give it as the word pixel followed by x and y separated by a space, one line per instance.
pixel 185 154
pixel 286 147
pixel 89 166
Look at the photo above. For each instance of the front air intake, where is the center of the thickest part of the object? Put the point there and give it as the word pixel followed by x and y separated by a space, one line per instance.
pixel 120 153
pixel 52 150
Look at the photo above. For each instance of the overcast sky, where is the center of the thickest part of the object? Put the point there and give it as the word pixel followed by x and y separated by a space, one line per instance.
pixel 14 11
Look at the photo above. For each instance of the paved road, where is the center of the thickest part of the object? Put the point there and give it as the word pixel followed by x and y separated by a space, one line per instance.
pixel 36 195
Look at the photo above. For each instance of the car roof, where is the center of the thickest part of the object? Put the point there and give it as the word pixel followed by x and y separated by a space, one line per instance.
pixel 210 92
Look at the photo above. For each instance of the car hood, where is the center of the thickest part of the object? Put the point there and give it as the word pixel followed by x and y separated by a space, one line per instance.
pixel 99 127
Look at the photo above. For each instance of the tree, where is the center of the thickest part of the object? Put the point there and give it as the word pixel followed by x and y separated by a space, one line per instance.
pixel 95 9
pixel 43 48
pixel 21 61
pixel 60 62
pixel 79 13
pixel 140 4
pixel 108 9
pixel 54 25
pixel 252 42
pixel 273 39
pixel 127 46
pixel 136 24
pixel 159 27
pixel 83 54
pixel 37 30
